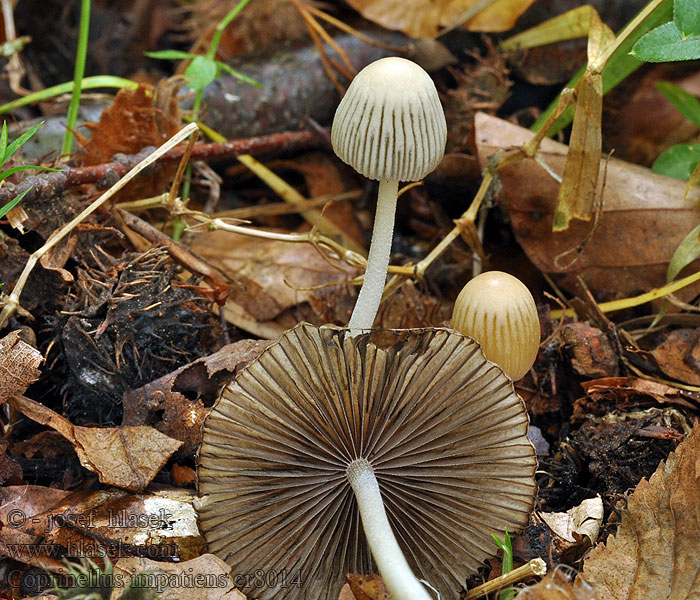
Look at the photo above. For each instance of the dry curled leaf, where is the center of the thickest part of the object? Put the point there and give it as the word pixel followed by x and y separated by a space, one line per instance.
pixel 162 524
pixel 425 17
pixel 271 277
pixel 133 122
pixel 655 551
pixel 177 403
pixel 367 587
pixel 19 365
pixel 127 457
pixel 577 529
pixel 203 578
pixel 626 250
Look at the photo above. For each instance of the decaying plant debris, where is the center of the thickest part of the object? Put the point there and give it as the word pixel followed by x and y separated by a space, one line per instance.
pixel 173 297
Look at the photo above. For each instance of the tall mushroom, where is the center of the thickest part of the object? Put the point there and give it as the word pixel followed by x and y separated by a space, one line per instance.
pixel 389 126
pixel 296 451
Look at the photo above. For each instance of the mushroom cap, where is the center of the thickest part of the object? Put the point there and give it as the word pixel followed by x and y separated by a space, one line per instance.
pixel 499 311
pixel 441 426
pixel 390 125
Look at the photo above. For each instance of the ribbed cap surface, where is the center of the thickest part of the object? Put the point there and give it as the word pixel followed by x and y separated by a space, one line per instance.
pixel 499 311
pixel 390 125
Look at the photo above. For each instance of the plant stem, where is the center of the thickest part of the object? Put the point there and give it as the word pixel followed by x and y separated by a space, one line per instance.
pixel 179 225
pixel 80 56
pixel 378 259
pixel 397 575
pixel 221 27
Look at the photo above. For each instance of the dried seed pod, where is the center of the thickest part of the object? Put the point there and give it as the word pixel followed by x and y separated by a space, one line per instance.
pixel 440 427
pixel 499 312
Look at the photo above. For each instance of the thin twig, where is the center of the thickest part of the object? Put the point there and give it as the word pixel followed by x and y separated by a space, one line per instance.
pixel 11 302
pixel 50 185
pixel 535 568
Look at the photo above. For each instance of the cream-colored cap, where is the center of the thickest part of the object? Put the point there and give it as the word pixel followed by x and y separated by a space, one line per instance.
pixel 499 312
pixel 390 125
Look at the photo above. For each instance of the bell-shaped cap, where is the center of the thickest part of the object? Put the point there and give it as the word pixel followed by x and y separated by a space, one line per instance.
pixel 499 311
pixel 441 426
pixel 390 125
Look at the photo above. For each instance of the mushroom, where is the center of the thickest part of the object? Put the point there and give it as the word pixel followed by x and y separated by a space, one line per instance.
pixel 498 311
pixel 389 126
pixel 324 430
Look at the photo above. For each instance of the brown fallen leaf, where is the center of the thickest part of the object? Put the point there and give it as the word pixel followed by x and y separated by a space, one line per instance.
pixel 576 530
pixel 127 457
pixel 137 118
pixel 627 390
pixel 19 365
pixel 367 587
pixel 177 403
pixel 19 504
pixel 322 177
pixel 424 18
pixel 162 524
pixel 654 553
pixel 272 277
pixel 644 217
pixel 678 356
pixel 203 578
pixel 591 352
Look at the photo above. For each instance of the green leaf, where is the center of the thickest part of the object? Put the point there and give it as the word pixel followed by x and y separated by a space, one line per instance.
pixel 88 83
pixel 688 250
pixel 667 43
pixel 678 161
pixel 242 76
pixel 687 104
pixel 15 145
pixel 170 55
pixel 618 68
pixel 12 203
pixel 13 170
pixel 686 14
pixel 3 143
pixel 507 564
pixel 201 72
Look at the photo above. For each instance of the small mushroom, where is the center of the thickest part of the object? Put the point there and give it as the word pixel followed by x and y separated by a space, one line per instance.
pixel 389 126
pixel 324 430
pixel 499 312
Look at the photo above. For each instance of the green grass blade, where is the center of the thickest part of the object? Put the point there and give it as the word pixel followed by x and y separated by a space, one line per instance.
pixel 78 73
pixel 619 67
pixel 89 83
pixel 3 144
pixel 15 145
pixel 12 203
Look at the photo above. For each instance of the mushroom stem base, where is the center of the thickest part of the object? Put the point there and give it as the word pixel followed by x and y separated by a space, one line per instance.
pixel 397 575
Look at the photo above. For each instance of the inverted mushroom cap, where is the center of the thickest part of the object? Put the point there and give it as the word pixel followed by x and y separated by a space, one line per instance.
pixel 441 426
pixel 499 311
pixel 390 124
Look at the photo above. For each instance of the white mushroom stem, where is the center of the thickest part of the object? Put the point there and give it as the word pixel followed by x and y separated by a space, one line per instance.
pixel 397 575
pixel 378 260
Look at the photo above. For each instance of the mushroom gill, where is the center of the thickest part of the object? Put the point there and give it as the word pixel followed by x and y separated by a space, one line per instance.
pixel 441 427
